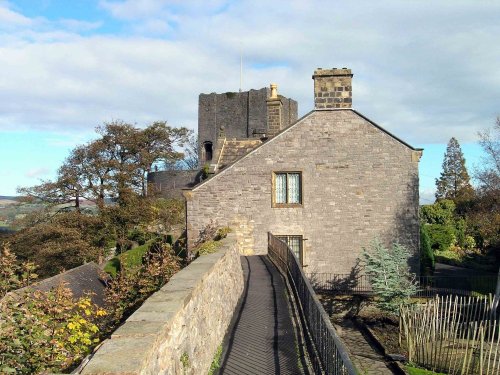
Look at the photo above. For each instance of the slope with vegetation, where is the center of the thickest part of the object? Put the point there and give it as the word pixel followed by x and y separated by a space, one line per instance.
pixel 52 331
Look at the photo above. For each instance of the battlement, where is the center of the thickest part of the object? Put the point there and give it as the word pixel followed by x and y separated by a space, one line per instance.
pixel 240 115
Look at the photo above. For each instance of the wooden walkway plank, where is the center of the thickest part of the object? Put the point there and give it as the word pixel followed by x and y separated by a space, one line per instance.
pixel 261 339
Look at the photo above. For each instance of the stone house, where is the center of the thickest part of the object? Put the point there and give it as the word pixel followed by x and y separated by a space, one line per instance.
pixel 329 183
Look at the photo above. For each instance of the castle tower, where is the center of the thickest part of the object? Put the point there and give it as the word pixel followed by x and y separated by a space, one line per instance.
pixel 240 116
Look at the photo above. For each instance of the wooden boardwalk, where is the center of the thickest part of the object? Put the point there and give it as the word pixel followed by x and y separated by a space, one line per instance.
pixel 261 338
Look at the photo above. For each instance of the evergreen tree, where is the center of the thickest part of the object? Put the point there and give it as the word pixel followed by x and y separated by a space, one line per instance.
pixel 390 276
pixel 454 182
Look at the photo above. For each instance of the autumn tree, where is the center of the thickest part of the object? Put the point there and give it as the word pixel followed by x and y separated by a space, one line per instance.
pixel 64 241
pixel 454 182
pixel 14 275
pixel 485 213
pixel 114 164
pixel 157 143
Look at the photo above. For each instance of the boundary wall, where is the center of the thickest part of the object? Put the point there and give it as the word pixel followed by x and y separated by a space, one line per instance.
pixel 179 328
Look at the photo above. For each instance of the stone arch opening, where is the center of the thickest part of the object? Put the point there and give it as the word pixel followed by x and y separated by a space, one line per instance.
pixel 208 150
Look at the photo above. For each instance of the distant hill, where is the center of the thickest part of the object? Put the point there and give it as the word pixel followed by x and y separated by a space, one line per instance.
pixel 6 200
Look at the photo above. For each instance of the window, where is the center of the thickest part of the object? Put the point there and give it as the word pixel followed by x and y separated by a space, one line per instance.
pixel 295 244
pixel 287 189
pixel 208 150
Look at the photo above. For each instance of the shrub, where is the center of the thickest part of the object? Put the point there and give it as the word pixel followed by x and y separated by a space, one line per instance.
pixel 170 239
pixel 12 274
pixel 460 228
pixel 123 245
pixel 204 171
pixel 426 253
pixel 441 236
pixel 138 236
pixel 390 275
pixel 129 289
pixel 441 212
pixel 469 243
pixel 222 233
pixel 208 247
pixel 45 332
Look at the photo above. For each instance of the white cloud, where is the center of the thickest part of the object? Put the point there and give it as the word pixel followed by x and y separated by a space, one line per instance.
pixel 37 172
pixel 133 9
pixel 424 72
pixel 10 19
pixel 427 196
pixel 78 25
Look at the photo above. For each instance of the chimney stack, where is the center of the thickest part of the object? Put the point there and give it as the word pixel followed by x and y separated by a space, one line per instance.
pixel 274 111
pixel 332 88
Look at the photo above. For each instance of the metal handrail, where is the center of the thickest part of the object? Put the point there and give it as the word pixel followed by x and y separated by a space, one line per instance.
pixel 331 356
pixel 428 286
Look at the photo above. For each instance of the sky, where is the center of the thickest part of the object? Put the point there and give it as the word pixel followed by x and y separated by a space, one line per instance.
pixel 425 71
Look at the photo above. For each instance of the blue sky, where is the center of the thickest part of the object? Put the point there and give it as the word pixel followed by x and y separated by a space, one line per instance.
pixel 424 72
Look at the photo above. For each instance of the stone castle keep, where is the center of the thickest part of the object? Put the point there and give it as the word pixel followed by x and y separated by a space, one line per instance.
pixel 232 124
pixel 329 183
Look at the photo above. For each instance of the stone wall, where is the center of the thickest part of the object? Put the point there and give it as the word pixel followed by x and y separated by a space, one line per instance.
pixel 240 113
pixel 358 183
pixel 178 329
pixel 169 184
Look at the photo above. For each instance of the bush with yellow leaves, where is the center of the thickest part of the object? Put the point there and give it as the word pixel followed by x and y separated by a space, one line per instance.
pixel 46 331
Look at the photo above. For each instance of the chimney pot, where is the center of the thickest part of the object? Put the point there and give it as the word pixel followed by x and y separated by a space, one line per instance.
pixel 274 91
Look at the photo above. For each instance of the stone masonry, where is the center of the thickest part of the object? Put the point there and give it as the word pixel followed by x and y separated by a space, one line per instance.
pixel 238 115
pixel 178 329
pixel 358 183
pixel 332 88
pixel 274 112
pixel 169 184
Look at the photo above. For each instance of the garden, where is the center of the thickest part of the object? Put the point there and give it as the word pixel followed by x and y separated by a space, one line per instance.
pixel 386 325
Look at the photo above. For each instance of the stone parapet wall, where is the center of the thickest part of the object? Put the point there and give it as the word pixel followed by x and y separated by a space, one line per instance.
pixel 169 184
pixel 178 329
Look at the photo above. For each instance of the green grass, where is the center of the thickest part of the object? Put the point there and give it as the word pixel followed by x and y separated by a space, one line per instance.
pixel 480 262
pixel 448 256
pixel 130 259
pixel 215 365
pixel 420 371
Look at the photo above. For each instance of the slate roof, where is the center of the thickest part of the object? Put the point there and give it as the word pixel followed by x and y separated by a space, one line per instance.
pixel 80 280
pixel 234 149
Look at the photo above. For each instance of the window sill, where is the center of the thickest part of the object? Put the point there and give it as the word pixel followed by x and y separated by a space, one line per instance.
pixel 287 205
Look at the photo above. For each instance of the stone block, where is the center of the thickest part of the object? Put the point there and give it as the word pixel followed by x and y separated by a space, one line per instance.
pixel 121 356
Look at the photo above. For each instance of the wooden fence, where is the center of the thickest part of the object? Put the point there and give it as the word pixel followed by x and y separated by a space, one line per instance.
pixel 453 334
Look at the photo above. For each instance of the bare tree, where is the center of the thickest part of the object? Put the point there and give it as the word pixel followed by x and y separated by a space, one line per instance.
pixel 488 174
pixel 191 160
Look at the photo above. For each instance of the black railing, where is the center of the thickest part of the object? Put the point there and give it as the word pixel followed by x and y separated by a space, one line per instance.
pixel 428 286
pixel 328 354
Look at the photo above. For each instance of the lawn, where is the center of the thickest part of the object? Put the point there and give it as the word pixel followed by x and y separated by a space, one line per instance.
pixel 420 371
pixel 130 259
